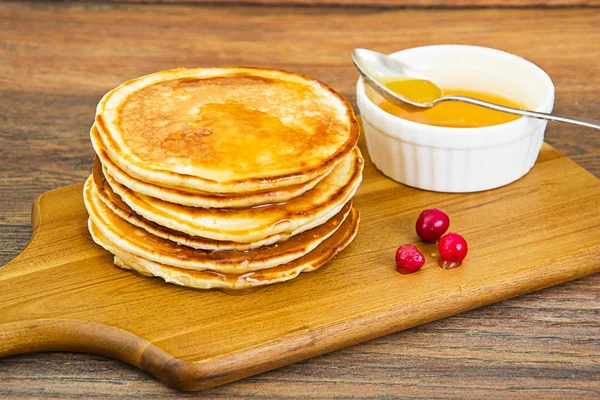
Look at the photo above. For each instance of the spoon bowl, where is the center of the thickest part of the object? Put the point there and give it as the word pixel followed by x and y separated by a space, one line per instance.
pixel 377 68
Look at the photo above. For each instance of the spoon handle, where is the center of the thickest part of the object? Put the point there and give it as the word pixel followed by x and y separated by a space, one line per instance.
pixel 553 117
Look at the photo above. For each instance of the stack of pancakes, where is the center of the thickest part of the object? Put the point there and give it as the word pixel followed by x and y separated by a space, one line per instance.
pixel 223 178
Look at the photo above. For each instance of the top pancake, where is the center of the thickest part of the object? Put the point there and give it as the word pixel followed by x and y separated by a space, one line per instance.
pixel 195 198
pixel 226 130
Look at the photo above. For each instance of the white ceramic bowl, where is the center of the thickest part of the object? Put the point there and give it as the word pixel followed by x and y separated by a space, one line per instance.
pixel 461 159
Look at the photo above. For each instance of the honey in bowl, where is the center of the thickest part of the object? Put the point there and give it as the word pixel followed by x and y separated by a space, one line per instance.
pixel 453 114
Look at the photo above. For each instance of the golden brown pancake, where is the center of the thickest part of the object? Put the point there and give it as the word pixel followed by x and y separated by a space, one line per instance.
pixel 209 279
pixel 143 244
pixel 198 198
pixel 226 130
pixel 114 202
pixel 251 224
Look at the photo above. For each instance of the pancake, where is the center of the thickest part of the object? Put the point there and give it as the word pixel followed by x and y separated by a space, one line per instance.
pixel 114 202
pixel 197 198
pixel 209 279
pixel 246 225
pixel 139 242
pixel 226 130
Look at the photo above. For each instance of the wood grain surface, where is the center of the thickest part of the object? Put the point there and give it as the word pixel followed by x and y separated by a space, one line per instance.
pixel 389 3
pixel 56 61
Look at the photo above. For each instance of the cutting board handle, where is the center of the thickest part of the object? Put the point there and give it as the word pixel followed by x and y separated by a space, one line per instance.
pixel 30 335
pixel 70 335
pixel 89 337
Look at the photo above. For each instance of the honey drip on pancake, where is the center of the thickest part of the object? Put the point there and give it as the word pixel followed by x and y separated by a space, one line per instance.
pixel 251 136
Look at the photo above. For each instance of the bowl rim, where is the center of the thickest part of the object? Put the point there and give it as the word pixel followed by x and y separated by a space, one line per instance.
pixel 545 105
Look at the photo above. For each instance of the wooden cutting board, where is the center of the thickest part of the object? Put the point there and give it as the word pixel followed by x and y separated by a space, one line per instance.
pixel 63 293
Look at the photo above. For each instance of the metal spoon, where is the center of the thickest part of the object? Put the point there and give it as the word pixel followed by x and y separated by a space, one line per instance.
pixel 373 65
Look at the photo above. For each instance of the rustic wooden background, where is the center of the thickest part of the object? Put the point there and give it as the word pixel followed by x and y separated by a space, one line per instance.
pixel 390 3
pixel 56 61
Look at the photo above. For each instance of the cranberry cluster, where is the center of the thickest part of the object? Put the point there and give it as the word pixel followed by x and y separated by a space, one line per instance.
pixel 431 226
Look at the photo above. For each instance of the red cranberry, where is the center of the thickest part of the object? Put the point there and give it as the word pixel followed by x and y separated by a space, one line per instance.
pixel 453 250
pixel 432 224
pixel 409 259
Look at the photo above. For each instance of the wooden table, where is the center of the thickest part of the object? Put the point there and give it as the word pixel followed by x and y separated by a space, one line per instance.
pixel 57 60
